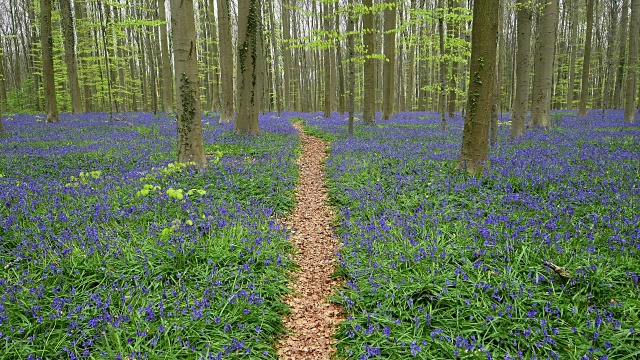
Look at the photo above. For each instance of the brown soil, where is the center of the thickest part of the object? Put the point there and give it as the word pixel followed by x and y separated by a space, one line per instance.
pixel 313 319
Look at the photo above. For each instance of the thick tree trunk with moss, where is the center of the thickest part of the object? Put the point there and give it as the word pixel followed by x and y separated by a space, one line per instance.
pixel 389 68
pixel 523 52
pixel 187 83
pixel 630 91
pixel 475 144
pixel 542 78
pixel 248 67
pixel 167 88
pixel 369 92
pixel 70 55
pixel 584 92
pixel 226 61
pixel 46 42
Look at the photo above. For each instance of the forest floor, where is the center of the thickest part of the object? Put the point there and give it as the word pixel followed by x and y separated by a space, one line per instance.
pixel 313 320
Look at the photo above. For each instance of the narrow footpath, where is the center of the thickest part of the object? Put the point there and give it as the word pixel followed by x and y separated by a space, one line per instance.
pixel 313 319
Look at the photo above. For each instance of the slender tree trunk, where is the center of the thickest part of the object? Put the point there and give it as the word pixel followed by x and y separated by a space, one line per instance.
pixel 608 85
pixel 3 86
pixel 352 69
pixel 584 92
pixel 248 67
pixel 188 110
pixel 453 29
pixel 341 88
pixel 276 61
pixel 369 100
pixel 573 55
pixel 543 76
pixel 497 90
pixel 167 83
pixel 46 42
pixel 70 56
pixel 630 91
pixel 390 55
pixel 475 144
pixel 226 61
pixel 624 20
pixel 286 54
pixel 442 103
pixel 523 53
pixel 328 77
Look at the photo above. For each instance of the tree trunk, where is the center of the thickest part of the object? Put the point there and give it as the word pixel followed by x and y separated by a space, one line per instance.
pixel 70 55
pixel 390 55
pixel 442 103
pixel 248 67
pixel 46 42
pixel 630 91
pixel 624 20
pixel 523 53
pixel 3 86
pixel 608 85
pixel 276 61
pixel 328 77
pixel 189 115
pixel 584 92
pixel 369 95
pixel 341 88
pixel 497 89
pixel 475 145
pixel 543 76
pixel 352 69
pixel 573 55
pixel 167 88
pixel 226 61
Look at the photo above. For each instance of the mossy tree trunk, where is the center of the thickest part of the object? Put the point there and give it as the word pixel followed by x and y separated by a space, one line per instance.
pixel 46 42
pixel 187 84
pixel 248 67
pixel 226 61
pixel 369 94
pixel 543 75
pixel 524 20
pixel 630 91
pixel 389 68
pixel 475 142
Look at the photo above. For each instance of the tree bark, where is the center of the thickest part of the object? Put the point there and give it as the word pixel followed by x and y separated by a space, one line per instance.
pixel 187 83
pixel 584 92
pixel 226 61
pixel 497 89
pixel 609 81
pixel 630 91
pixel 369 95
pixel 523 53
pixel 70 55
pixel 3 86
pixel 543 76
pixel 390 62
pixel 46 42
pixel 167 84
pixel 328 77
pixel 475 145
pixel 339 60
pixel 573 54
pixel 622 58
pixel 352 69
pixel 442 103
pixel 276 60
pixel 248 81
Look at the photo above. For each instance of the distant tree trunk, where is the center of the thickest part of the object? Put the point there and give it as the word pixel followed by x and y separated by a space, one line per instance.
pixel 46 42
pixel 573 54
pixel 369 100
pixel 352 69
pixel 630 91
pixel 276 61
pixel 442 103
pixel 584 92
pixel 497 89
pixel 610 73
pixel 341 88
pixel 189 115
pixel 167 88
pixel 286 54
pixel 453 29
pixel 247 88
pixel 475 144
pixel 624 20
pixel 390 54
pixel 542 78
pixel 226 61
pixel 3 86
pixel 523 53
pixel 328 77
pixel 70 55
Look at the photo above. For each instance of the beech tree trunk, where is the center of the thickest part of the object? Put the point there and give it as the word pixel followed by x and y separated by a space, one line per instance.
pixel 276 61
pixel 390 62
pixel 442 103
pixel 328 77
pixel 341 86
pixel 543 76
pixel 70 55
pixel 369 95
pixel 248 81
pixel 226 61
pixel 630 91
pixel 167 88
pixel 46 42
pixel 497 90
pixel 352 70
pixel 622 58
pixel 189 114
pixel 573 55
pixel 584 92
pixel 3 86
pixel 484 39
pixel 523 53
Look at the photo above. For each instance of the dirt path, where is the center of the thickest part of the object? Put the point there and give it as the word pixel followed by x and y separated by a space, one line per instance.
pixel 313 320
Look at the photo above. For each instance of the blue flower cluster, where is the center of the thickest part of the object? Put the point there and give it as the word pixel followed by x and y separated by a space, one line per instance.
pixel 440 265
pixel 109 249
